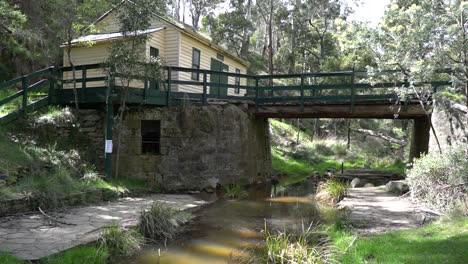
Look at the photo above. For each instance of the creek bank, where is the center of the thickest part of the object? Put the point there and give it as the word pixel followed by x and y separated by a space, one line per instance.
pixel 35 236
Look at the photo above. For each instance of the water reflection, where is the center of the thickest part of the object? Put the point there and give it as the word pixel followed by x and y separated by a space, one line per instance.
pixel 224 229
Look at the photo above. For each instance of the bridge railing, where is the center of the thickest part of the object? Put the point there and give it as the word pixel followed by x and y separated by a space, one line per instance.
pixel 26 93
pixel 199 85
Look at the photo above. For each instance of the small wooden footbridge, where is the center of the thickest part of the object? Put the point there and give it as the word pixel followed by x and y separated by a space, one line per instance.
pixel 345 94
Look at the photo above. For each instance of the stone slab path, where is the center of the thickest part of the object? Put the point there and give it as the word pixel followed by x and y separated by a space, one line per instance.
pixel 373 211
pixel 32 237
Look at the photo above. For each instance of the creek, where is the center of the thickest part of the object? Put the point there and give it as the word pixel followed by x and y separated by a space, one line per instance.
pixel 226 228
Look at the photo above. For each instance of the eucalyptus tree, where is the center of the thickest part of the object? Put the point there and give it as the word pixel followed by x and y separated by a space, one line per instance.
pixel 199 8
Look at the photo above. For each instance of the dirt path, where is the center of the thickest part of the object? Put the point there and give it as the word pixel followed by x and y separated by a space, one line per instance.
pixel 373 210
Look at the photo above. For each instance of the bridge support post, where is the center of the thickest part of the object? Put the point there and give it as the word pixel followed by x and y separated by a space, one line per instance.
pixel 420 138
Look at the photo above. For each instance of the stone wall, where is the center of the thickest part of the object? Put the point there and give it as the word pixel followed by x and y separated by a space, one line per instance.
pixel 450 124
pixel 201 146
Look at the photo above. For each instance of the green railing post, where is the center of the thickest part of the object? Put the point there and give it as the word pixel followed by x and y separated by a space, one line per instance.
pixel 83 83
pixel 109 125
pixel 52 72
pixel 169 77
pixel 302 93
pixel 256 93
pixel 24 84
pixel 205 89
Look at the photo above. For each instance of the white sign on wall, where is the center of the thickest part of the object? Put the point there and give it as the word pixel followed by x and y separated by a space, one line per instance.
pixel 108 146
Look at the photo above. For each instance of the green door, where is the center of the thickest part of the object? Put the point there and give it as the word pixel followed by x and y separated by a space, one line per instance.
pixel 219 81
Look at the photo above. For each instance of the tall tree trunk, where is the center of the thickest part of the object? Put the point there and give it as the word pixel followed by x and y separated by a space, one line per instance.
pixel 270 40
pixel 245 45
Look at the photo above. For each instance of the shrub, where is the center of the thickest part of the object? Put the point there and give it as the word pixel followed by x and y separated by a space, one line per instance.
pixel 158 222
pixel 233 191
pixel 119 241
pixel 441 180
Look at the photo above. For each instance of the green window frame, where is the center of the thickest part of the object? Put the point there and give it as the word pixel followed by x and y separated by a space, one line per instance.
pixel 196 54
pixel 237 82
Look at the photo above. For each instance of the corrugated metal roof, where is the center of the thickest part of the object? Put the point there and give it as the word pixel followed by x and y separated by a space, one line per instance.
pixel 110 36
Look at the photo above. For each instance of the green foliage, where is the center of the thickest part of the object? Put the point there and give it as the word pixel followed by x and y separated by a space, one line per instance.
pixel 440 180
pixel 440 242
pixel 6 258
pixel 234 191
pixel 334 188
pixel 81 254
pixel 158 222
pixel 119 241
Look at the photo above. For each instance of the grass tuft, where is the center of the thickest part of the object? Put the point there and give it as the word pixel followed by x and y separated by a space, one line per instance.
pixel 334 188
pixel 158 222
pixel 119 241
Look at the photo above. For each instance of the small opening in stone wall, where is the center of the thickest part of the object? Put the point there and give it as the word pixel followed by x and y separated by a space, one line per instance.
pixel 151 137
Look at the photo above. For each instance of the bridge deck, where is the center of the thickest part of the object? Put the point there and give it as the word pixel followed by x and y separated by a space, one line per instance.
pixel 327 95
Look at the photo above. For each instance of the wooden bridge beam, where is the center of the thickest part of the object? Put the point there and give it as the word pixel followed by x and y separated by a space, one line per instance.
pixel 381 111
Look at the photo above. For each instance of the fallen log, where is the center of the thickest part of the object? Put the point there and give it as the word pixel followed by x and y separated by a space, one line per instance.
pixel 382 136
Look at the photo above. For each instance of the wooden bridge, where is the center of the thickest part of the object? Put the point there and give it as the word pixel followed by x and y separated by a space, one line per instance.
pixel 308 95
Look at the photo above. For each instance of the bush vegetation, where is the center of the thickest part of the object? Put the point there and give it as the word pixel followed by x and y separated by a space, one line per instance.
pixel 441 180
pixel 119 241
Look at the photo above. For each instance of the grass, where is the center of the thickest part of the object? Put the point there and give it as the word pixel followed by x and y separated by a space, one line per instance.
pixel 234 191
pixel 439 242
pixel 89 254
pixel 7 258
pixel 119 241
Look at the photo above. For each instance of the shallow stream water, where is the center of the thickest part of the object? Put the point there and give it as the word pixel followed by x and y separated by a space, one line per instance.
pixel 225 228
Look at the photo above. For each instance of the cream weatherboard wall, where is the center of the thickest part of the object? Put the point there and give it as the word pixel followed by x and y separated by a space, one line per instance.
pixel 206 53
pixel 94 54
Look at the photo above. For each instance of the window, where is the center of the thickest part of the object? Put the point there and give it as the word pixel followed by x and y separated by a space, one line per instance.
pixel 151 136
pixel 154 54
pixel 237 82
pixel 195 63
pixel 220 57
